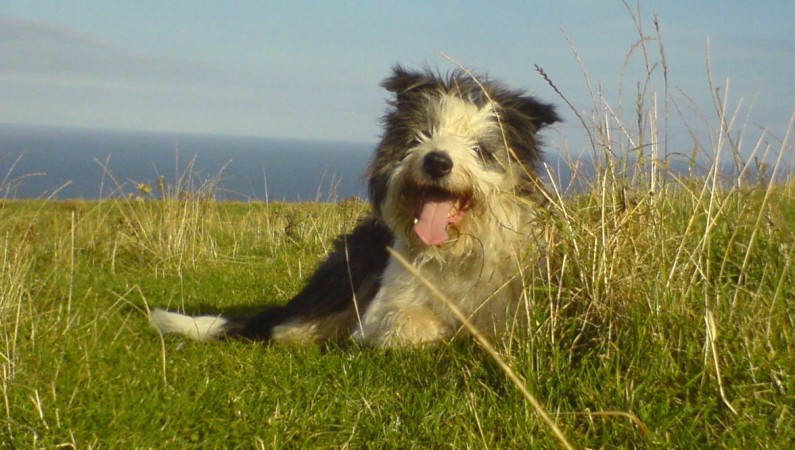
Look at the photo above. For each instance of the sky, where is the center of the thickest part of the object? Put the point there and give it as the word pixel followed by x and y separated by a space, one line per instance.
pixel 311 70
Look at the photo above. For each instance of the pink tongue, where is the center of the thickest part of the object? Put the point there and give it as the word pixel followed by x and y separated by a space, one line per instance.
pixel 431 226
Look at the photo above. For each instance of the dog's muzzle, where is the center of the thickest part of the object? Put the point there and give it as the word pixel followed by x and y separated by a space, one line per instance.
pixel 436 208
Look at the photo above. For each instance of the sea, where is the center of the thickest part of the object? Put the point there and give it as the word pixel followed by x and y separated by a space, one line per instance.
pixel 77 163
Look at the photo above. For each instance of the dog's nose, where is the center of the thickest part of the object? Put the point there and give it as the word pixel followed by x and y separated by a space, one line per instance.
pixel 437 164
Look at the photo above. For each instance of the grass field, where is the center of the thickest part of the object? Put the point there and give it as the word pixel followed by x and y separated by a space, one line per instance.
pixel 668 320
pixel 669 323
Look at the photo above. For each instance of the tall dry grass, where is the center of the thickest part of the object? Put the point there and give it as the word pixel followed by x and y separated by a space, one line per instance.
pixel 691 256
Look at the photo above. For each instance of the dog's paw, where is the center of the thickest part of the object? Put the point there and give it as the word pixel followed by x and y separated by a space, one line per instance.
pixel 415 326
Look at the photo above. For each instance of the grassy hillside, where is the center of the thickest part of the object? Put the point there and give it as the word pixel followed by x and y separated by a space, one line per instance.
pixel 668 322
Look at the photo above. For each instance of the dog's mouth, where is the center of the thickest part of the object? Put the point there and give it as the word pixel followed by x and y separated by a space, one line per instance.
pixel 434 211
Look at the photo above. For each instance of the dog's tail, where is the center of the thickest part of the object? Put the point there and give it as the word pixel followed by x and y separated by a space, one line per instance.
pixel 214 328
pixel 201 328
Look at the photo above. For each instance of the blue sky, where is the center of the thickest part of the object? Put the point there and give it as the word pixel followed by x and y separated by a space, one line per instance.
pixel 311 69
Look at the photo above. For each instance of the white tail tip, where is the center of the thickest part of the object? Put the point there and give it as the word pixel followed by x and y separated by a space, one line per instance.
pixel 202 328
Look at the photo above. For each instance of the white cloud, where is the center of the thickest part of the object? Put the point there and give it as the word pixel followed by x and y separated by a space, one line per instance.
pixel 13 30
pixel 53 75
pixel 41 53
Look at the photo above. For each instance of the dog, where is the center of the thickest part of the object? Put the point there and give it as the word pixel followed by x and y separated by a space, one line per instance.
pixel 455 194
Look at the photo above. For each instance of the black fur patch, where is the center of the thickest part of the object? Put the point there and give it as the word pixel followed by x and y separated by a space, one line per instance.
pixel 354 267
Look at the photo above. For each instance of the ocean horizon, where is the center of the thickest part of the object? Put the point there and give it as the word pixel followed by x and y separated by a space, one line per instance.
pixel 78 163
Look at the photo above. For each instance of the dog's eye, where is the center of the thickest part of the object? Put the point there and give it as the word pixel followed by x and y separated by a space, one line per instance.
pixel 481 151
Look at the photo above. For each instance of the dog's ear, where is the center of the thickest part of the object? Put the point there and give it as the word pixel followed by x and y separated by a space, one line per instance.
pixel 526 109
pixel 404 81
pixel 522 117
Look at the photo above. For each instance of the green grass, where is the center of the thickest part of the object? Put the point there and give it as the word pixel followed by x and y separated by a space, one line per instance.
pixel 615 332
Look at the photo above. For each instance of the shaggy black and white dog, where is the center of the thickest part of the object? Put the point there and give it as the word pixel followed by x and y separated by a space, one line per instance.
pixel 454 192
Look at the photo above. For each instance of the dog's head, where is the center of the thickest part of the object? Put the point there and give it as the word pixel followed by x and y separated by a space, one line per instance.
pixel 450 145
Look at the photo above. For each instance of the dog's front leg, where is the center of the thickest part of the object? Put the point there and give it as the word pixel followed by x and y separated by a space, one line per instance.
pixel 401 314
